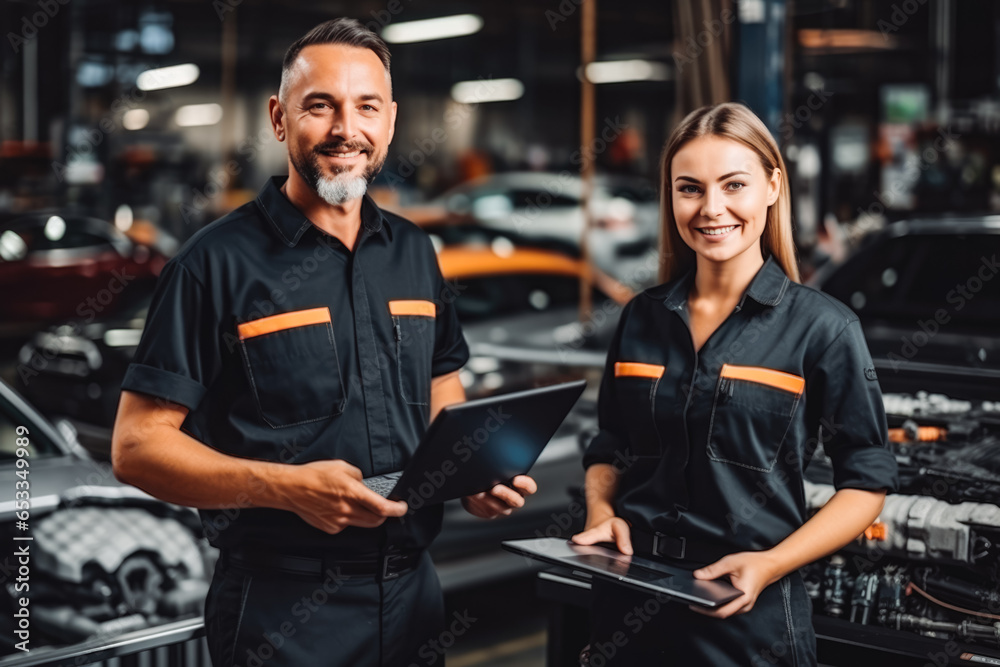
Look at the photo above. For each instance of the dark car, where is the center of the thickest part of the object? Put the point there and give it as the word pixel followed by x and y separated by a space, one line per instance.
pixel 924 579
pixel 74 370
pixel 928 295
pixel 59 266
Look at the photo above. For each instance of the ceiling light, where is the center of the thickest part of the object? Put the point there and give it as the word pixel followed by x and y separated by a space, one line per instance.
pixel 430 29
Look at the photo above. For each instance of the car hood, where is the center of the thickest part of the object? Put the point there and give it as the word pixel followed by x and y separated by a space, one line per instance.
pixel 961 364
pixel 527 336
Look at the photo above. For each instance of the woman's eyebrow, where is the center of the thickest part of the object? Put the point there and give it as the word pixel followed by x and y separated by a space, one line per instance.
pixel 721 178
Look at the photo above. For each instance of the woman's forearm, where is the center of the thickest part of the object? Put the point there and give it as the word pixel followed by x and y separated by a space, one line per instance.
pixel 600 486
pixel 845 516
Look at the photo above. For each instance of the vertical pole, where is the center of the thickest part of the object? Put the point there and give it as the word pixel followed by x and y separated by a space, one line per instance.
pixel 30 75
pixel 228 85
pixel 588 51
pixel 760 59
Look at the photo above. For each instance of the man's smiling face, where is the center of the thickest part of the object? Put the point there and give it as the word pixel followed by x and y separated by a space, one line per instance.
pixel 338 118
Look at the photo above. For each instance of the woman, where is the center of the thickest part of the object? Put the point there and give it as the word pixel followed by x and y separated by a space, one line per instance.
pixel 719 385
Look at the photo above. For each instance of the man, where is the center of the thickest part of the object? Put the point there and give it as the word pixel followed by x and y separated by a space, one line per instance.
pixel 293 347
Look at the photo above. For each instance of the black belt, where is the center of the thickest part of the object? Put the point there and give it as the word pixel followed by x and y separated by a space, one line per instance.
pixel 679 548
pixel 391 564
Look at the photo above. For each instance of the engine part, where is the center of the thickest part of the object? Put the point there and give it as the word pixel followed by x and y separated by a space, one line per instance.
pixel 863 599
pixel 921 527
pixel 835 586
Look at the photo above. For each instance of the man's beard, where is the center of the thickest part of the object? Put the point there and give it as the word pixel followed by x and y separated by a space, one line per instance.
pixel 342 187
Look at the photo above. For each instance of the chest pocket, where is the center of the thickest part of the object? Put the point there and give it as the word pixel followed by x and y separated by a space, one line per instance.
pixel 636 384
pixel 413 329
pixel 751 413
pixel 292 364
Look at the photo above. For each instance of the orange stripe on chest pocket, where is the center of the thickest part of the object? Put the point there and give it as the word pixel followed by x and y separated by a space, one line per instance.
pixel 766 376
pixel 412 307
pixel 637 369
pixel 296 318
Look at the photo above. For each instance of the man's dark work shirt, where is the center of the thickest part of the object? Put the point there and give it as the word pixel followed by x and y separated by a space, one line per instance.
pixel 286 346
pixel 714 444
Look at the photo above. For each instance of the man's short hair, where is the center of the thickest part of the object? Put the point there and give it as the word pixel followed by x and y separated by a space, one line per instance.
pixel 348 32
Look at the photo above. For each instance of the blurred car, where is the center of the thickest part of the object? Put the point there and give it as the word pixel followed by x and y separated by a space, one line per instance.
pixel 519 309
pixel 924 579
pixel 104 557
pixel 928 296
pixel 541 207
pixel 56 266
pixel 74 370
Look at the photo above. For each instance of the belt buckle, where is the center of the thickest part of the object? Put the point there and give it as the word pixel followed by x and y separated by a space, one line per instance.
pixel 665 540
pixel 386 574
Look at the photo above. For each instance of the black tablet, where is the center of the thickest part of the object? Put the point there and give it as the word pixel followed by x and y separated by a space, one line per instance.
pixel 472 446
pixel 632 571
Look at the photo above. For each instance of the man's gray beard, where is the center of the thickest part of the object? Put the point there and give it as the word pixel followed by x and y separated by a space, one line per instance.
pixel 339 189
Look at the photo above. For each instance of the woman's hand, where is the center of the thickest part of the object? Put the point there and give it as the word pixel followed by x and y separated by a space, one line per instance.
pixel 612 529
pixel 749 571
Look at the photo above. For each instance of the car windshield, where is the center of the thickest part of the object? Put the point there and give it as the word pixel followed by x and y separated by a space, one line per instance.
pixel 37 444
pixel 910 278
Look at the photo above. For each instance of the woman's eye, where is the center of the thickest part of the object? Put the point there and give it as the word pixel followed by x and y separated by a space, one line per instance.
pixel 735 186
pixel 689 189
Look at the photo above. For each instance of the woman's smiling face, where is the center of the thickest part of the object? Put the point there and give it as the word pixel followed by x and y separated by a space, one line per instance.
pixel 720 194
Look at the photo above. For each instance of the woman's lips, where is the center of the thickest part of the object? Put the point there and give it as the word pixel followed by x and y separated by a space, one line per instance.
pixel 716 233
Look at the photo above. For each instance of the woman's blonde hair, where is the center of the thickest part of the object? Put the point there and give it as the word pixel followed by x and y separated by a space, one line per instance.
pixel 734 121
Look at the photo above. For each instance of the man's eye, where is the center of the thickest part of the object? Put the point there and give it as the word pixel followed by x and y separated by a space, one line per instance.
pixel 368 107
pixel 317 105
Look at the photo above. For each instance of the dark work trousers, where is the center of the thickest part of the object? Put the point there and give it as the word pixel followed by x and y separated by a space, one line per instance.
pixel 254 619
pixel 632 628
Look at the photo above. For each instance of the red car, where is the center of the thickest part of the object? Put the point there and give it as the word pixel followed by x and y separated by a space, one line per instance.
pixel 56 267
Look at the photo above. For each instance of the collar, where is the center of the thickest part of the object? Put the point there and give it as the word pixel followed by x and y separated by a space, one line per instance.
pixel 767 287
pixel 291 224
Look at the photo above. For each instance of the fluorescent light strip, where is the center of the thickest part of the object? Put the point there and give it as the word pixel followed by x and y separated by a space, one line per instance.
pixel 618 71
pixel 192 115
pixel 168 77
pixel 431 29
pixel 487 90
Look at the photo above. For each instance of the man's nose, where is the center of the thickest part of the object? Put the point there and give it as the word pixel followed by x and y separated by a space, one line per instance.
pixel 343 125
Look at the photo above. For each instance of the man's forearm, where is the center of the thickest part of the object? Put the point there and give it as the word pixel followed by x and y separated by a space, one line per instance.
pixel 173 466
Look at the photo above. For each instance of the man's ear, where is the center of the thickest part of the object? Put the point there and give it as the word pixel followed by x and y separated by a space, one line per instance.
pixel 392 121
pixel 277 115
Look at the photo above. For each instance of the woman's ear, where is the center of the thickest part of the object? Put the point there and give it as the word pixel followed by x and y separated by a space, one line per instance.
pixel 774 186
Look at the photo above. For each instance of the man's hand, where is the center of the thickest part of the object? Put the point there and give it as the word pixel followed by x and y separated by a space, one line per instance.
pixel 501 500
pixel 749 571
pixel 613 529
pixel 330 496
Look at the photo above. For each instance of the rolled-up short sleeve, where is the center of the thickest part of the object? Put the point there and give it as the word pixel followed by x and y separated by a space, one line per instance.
pixel 451 352
pixel 844 406
pixel 612 435
pixel 179 353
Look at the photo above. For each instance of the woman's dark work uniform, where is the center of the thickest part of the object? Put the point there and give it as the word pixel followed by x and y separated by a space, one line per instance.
pixel 714 445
